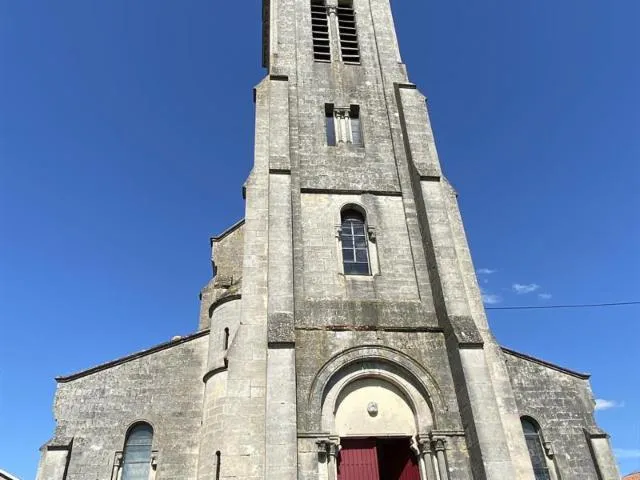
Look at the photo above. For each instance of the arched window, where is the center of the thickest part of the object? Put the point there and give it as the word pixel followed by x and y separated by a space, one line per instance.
pixel 536 450
pixel 355 250
pixel 137 452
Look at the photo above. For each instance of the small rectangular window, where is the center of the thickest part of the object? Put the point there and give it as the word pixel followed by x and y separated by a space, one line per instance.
pixel 356 130
pixel 349 48
pixel 320 31
pixel 343 125
pixel 330 124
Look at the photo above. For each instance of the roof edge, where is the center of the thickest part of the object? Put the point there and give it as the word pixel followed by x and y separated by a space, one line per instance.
pixel 544 363
pixel 228 231
pixel 131 357
pixel 7 475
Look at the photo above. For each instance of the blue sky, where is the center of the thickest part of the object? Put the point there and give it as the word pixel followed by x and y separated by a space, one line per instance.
pixel 126 132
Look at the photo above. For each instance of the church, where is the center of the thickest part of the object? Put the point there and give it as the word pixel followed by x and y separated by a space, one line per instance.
pixel 342 335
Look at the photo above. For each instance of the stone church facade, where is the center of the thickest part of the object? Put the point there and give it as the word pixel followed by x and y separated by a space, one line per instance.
pixel 343 334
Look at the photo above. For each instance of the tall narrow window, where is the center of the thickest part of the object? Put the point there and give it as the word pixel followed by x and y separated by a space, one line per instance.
pixel 536 451
pixel 355 250
pixel 137 452
pixel 356 131
pixel 320 31
pixel 218 465
pixel 225 341
pixel 343 125
pixel 349 48
pixel 330 124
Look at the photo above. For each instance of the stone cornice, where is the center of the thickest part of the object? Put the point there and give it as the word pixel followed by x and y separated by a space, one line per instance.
pixel 134 356
pixel 228 231
pixel 552 366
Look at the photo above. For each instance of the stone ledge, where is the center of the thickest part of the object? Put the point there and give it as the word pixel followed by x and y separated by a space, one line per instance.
pixel 552 366
pixel 133 356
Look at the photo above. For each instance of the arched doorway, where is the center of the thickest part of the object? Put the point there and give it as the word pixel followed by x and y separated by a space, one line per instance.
pixel 377 403
pixel 376 427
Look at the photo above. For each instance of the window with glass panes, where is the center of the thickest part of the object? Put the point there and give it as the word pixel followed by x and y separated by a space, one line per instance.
pixel 536 451
pixel 353 237
pixel 137 453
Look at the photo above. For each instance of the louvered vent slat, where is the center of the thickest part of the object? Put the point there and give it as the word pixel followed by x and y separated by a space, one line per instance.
pixel 320 31
pixel 349 47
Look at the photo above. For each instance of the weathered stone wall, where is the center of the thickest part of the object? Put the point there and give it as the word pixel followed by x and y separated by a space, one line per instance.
pixel 226 258
pixel 390 252
pixel 345 167
pixel 297 323
pixel 418 355
pixel 226 252
pixel 225 315
pixel 562 404
pixel 164 388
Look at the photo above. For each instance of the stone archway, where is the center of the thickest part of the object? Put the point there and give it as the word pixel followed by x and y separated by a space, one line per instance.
pixel 376 406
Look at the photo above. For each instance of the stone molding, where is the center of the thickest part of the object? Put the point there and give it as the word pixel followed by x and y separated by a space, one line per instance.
pixel 405 366
pixel 222 300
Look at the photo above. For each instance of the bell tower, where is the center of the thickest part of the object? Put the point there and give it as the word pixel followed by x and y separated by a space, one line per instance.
pixel 359 345
pixel 357 283
pixel 343 334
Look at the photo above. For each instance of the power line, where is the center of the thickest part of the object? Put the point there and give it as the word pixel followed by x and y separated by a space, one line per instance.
pixel 580 305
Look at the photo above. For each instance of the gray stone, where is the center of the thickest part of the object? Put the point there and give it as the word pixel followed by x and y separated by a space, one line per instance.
pixel 286 339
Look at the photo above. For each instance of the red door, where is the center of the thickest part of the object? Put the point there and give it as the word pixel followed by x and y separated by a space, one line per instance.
pixel 396 460
pixel 410 469
pixel 358 460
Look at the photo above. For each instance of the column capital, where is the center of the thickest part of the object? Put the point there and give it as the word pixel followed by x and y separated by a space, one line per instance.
pixel 424 444
pixel 329 446
pixel 439 444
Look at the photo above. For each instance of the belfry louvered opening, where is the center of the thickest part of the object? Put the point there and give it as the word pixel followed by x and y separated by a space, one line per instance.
pixel 320 31
pixel 349 48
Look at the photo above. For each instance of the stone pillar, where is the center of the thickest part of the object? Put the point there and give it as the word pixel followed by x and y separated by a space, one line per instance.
pixel 489 443
pixel 458 302
pixel 281 425
pixel 604 462
pixel 328 449
pixel 440 445
pixel 334 34
pixel 54 460
pixel 243 419
pixel 426 458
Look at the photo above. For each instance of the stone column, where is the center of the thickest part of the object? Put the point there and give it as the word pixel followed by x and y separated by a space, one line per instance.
pixel 440 445
pixel 116 472
pixel 426 459
pixel 328 449
pixel 334 34
pixel 334 449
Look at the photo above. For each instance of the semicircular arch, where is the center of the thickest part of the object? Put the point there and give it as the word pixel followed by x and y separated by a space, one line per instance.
pixel 384 362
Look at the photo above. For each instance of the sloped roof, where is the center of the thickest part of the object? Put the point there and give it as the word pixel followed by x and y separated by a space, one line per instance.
pixel 133 356
pixel 228 231
pixel 632 476
pixel 544 363
pixel 7 476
